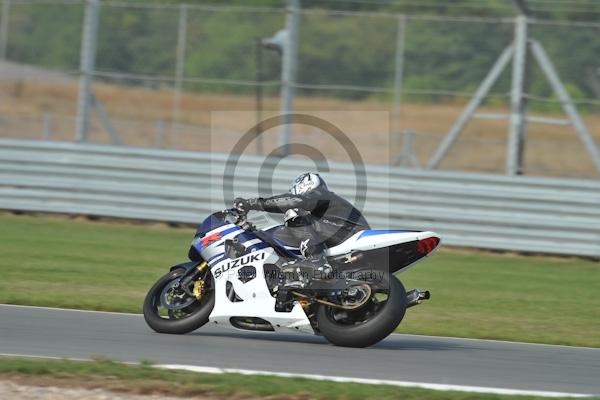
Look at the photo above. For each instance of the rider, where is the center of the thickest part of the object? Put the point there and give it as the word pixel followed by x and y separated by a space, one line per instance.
pixel 314 217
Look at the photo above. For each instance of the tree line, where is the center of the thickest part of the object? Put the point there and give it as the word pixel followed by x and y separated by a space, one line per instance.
pixel 440 56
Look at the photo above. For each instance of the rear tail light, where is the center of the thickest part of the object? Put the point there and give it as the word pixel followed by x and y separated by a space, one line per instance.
pixel 426 246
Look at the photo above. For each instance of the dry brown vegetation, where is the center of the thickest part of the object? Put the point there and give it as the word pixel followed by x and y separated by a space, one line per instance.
pixel 135 112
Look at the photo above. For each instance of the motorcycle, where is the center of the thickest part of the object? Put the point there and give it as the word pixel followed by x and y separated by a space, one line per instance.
pixel 235 273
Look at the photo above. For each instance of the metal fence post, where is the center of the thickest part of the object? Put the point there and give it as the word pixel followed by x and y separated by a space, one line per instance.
pixel 47 126
pixel 288 73
pixel 566 101
pixel 408 156
pixel 159 140
pixel 4 18
pixel 516 138
pixel 478 97
pixel 87 65
pixel 398 77
pixel 179 64
pixel 258 49
pixel 104 120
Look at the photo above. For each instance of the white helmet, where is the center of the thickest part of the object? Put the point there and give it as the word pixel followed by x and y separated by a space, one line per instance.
pixel 307 183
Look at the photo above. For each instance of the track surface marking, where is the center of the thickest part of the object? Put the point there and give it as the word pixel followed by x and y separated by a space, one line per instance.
pixel 407 358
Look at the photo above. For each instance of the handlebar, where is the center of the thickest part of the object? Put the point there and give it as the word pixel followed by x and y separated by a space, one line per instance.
pixel 230 211
pixel 241 220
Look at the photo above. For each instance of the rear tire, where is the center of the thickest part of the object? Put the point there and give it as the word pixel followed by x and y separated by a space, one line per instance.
pixel 198 311
pixel 371 331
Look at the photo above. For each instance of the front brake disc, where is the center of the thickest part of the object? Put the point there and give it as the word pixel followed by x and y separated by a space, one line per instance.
pixel 173 298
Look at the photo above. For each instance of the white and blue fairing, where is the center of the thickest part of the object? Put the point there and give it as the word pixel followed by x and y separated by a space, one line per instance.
pixel 372 239
pixel 255 298
pixel 213 232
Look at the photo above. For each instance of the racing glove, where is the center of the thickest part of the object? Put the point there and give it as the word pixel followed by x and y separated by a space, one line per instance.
pixel 242 206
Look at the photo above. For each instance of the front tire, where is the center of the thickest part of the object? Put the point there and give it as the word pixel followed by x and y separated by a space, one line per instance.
pixel 188 320
pixel 367 326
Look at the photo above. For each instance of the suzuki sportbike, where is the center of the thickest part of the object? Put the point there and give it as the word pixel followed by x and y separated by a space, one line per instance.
pixel 235 274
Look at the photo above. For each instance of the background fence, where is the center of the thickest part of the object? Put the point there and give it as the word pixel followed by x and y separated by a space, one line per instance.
pixel 468 209
pixel 162 68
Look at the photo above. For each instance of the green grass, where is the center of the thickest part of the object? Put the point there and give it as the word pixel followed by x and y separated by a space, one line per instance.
pixel 508 298
pixel 49 261
pixel 146 379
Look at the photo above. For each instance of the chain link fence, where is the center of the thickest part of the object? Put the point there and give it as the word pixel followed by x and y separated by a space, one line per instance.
pixel 162 69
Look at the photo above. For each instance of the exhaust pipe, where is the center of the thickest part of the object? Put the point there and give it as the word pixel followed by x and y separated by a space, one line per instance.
pixel 415 297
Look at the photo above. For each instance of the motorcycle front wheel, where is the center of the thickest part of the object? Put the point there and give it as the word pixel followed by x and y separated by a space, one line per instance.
pixel 368 325
pixel 169 310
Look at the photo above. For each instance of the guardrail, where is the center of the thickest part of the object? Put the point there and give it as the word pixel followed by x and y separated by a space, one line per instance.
pixel 560 216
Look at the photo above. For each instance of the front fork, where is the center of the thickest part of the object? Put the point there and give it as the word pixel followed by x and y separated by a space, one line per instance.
pixel 187 280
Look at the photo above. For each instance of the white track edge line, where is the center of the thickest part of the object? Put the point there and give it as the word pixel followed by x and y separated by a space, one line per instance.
pixel 44 357
pixel 366 381
pixel 458 338
pixel 69 309
pixel 338 379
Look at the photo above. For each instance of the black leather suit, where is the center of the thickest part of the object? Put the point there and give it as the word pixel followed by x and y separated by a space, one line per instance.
pixel 326 219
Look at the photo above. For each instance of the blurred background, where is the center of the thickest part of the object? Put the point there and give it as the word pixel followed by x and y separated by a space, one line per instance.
pixel 149 73
pixel 479 119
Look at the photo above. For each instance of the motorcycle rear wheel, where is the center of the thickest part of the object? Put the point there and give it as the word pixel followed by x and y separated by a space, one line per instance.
pixel 368 325
pixel 181 321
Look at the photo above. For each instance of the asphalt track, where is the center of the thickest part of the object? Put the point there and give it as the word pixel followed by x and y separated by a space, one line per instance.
pixel 438 360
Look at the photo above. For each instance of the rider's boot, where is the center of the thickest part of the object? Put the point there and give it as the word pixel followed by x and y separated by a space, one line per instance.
pixel 299 274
